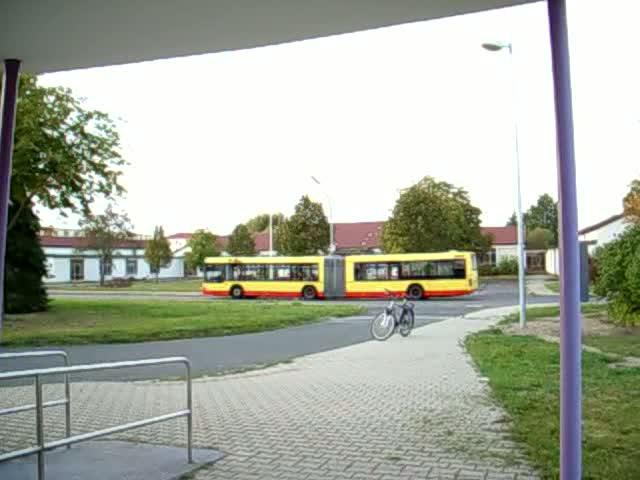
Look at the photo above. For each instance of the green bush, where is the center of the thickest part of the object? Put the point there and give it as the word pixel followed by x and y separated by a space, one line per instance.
pixel 507 266
pixel 486 270
pixel 618 277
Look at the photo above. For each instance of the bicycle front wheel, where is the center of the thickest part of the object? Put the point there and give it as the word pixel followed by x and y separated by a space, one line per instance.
pixel 407 320
pixel 382 326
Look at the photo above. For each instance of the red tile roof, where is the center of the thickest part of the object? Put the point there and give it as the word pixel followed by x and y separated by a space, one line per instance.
pixel 502 235
pixel 261 240
pixel 180 235
pixel 81 242
pixel 360 235
pixel 222 241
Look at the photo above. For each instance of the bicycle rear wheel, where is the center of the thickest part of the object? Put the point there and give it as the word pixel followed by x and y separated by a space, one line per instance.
pixel 407 321
pixel 382 326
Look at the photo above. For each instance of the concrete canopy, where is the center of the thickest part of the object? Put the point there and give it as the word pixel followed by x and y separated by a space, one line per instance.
pixel 58 35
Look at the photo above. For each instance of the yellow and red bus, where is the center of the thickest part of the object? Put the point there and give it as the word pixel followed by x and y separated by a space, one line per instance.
pixel 417 275
pixel 264 277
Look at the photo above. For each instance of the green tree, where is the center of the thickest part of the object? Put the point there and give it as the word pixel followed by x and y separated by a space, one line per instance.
pixel 202 244
pixel 25 264
pixel 158 252
pixel 433 216
pixel 544 214
pixel 64 155
pixel 306 232
pixel 539 239
pixel 240 242
pixel 260 223
pixel 513 220
pixel 632 203
pixel 104 233
pixel 618 278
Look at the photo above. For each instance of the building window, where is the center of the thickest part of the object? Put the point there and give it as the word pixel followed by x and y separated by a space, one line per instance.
pixel 77 269
pixel 107 268
pixel 488 258
pixel 132 266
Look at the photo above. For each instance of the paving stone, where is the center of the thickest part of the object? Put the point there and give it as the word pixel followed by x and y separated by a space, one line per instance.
pixel 408 409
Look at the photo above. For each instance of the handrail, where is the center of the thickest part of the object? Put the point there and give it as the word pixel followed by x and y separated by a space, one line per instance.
pixel 42 447
pixel 67 390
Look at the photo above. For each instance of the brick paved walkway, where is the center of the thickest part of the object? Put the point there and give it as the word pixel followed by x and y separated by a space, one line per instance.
pixel 403 409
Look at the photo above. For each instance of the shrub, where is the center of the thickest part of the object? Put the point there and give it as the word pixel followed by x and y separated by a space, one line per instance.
pixel 485 270
pixel 507 266
pixel 618 277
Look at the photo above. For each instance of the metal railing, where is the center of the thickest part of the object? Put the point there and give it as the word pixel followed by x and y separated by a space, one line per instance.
pixel 67 391
pixel 42 447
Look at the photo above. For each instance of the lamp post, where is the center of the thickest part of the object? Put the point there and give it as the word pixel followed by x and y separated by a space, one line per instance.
pixel 496 47
pixel 332 247
pixel 270 234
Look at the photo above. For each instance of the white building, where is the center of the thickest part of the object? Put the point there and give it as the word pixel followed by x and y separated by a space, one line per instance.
pixel 603 232
pixel 595 236
pixel 68 259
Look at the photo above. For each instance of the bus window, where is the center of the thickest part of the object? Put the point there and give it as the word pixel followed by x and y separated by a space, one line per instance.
pixel 394 271
pixel 474 262
pixel 459 270
pixel 282 272
pixel 214 273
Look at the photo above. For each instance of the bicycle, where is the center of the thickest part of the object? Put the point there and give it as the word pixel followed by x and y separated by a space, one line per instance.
pixel 387 322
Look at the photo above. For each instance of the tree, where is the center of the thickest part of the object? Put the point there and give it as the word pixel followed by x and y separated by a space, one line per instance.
pixel 632 203
pixel 64 155
pixel 202 244
pixel 513 220
pixel 25 264
pixel 618 278
pixel 260 223
pixel 433 216
pixel 306 232
pixel 104 234
pixel 539 239
pixel 544 214
pixel 158 252
pixel 241 243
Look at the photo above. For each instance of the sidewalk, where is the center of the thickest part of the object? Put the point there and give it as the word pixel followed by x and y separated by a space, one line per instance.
pixel 402 409
pixel 536 286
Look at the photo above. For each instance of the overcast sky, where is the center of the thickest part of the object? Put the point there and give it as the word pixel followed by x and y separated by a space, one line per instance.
pixel 213 140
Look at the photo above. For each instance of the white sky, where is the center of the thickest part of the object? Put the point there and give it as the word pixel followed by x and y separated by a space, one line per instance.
pixel 213 140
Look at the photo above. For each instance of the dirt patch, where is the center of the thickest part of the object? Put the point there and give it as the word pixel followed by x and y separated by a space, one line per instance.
pixel 548 328
pixel 592 324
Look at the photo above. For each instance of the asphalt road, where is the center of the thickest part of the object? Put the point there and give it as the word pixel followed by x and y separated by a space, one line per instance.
pixel 216 355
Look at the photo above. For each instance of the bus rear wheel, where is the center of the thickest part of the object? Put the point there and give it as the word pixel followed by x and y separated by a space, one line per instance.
pixel 415 292
pixel 236 292
pixel 309 293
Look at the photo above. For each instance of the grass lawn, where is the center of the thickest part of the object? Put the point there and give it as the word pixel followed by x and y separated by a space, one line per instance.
pixel 182 285
pixel 83 321
pixel 627 345
pixel 534 313
pixel 553 285
pixel 523 374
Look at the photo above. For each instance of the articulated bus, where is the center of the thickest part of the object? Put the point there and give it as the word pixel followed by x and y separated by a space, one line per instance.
pixel 417 275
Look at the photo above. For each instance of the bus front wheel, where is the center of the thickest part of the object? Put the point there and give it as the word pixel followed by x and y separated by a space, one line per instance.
pixel 309 293
pixel 236 292
pixel 415 292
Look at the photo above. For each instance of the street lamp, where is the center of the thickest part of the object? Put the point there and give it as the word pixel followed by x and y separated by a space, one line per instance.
pixel 496 47
pixel 332 246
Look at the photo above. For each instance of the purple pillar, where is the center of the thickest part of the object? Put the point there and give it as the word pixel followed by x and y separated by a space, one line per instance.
pixel 570 341
pixel 7 125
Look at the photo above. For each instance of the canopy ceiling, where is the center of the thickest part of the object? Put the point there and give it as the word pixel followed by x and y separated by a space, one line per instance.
pixel 55 35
